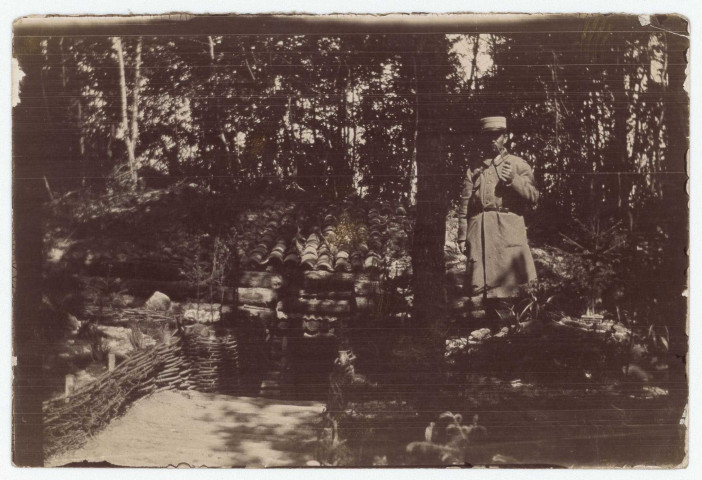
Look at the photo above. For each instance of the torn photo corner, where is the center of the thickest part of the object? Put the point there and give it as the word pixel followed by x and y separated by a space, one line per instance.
pixel 401 240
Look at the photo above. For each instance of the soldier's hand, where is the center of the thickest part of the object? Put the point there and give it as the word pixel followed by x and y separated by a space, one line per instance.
pixel 506 172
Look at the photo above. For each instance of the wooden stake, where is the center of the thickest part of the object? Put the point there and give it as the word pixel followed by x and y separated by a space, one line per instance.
pixel 111 361
pixel 70 385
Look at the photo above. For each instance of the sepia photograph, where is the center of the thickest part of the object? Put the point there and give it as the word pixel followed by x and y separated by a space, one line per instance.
pixel 350 240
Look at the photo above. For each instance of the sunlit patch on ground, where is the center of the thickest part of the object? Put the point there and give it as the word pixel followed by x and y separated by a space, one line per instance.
pixel 200 429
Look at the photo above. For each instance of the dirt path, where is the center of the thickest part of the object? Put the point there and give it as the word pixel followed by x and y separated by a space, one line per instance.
pixel 199 429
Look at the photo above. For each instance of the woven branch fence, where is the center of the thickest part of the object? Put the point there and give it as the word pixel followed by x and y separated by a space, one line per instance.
pixel 199 362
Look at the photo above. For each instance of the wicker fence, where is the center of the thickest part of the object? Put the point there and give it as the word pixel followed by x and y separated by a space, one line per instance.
pixel 207 363
pixel 213 363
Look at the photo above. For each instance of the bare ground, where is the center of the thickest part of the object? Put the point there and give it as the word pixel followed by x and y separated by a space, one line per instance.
pixel 201 429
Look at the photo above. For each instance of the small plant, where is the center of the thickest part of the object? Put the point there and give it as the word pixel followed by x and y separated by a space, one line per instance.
pixel 100 350
pixel 99 346
pixel 528 312
pixel 450 445
pixel 599 244
pixel 164 334
pixel 120 179
pixel 220 269
pixel 106 292
pixel 652 341
pixel 196 273
pixel 212 274
pixel 331 450
pixel 348 232
pixel 660 341
pixel 334 454
pixel 136 337
pixel 343 374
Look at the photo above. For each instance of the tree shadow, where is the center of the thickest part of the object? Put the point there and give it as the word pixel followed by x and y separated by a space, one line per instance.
pixel 269 433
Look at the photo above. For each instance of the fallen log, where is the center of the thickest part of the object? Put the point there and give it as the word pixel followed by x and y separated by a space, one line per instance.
pixel 301 305
pixel 176 290
pixel 247 312
pixel 257 297
pixel 269 280
pixel 316 281
pixel 363 287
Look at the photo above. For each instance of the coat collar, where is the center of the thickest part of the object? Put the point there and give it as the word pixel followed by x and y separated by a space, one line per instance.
pixel 497 160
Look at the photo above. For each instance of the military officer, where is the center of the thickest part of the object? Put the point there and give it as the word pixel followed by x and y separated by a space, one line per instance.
pixel 497 191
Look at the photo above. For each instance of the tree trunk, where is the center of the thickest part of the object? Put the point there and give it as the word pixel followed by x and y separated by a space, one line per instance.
pixel 619 149
pixel 413 172
pixel 125 127
pixel 81 142
pixel 42 76
pixel 33 142
pixel 344 179
pixel 474 64
pixel 432 202
pixel 135 107
pixel 63 64
pixel 223 154
pixel 290 133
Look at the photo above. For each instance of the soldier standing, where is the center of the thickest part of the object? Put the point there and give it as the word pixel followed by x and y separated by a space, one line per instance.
pixel 491 232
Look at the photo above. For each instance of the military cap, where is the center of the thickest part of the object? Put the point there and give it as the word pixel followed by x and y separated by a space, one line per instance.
pixel 491 124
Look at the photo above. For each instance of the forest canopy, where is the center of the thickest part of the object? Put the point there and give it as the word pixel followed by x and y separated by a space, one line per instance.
pixel 337 113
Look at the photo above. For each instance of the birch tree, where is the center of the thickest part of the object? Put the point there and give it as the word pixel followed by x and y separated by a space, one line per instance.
pixel 129 128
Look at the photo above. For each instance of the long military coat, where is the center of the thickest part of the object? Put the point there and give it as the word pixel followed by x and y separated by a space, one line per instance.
pixel 491 223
